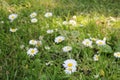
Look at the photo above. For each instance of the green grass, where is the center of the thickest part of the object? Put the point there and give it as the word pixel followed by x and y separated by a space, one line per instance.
pixel 94 15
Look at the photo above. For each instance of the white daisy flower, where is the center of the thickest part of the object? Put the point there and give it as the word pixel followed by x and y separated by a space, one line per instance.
pixel 72 22
pixel 100 42
pixel 22 46
pixel 117 54
pixel 65 23
pixel 96 57
pixel 39 43
pixel 34 20
pixel 32 51
pixel 67 49
pixel 70 63
pixel 70 70
pixel 41 37
pixel 50 31
pixel 33 42
pixel 48 14
pixel 59 39
pixel 13 29
pixel 87 43
pixel 34 14
pixel 74 17
pixel 12 17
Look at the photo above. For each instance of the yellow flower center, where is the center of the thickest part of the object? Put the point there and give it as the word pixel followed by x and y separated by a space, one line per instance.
pixel 33 41
pixel 100 42
pixel 12 17
pixel 70 64
pixel 32 51
pixel 96 57
pixel 59 40
pixel 118 55
pixel 87 43
pixel 13 30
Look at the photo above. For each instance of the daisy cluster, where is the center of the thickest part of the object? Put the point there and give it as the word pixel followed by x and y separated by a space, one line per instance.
pixel 70 65
pixel 34 51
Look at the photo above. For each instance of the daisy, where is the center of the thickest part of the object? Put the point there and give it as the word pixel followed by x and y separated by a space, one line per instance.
pixel 59 39
pixel 72 22
pixel 13 29
pixel 41 37
pixel 39 43
pixel 74 17
pixel 100 42
pixel 12 17
pixel 70 63
pixel 48 14
pixel 50 31
pixel 33 42
pixel 117 54
pixel 65 23
pixel 96 57
pixel 34 14
pixel 70 70
pixel 22 46
pixel 34 20
pixel 32 51
pixel 87 43
pixel 67 49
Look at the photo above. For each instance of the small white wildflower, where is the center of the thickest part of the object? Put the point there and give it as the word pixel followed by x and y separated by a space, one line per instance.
pixel 74 17
pixel 12 17
pixel 48 14
pixel 40 37
pixel 72 22
pixel 59 39
pixel 50 31
pixel 34 20
pixel 32 51
pixel 65 23
pixel 34 14
pixel 33 42
pixel 39 43
pixel 13 29
pixel 22 46
pixel 87 43
pixel 96 57
pixel 100 42
pixel 117 54
pixel 67 49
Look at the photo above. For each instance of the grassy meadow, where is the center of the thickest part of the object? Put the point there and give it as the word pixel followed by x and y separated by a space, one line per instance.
pixel 41 35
